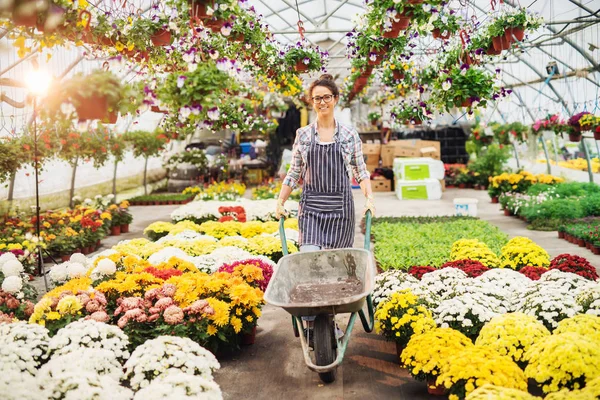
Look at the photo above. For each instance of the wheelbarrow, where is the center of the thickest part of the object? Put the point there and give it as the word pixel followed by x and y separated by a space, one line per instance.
pixel 322 284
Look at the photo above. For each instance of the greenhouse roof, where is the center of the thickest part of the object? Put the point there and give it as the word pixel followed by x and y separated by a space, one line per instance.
pixel 571 38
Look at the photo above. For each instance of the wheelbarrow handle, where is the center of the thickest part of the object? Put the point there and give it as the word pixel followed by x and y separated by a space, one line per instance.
pixel 284 248
pixel 368 220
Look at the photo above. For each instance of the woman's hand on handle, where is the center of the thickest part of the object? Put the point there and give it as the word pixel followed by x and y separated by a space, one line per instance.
pixel 280 210
pixel 369 205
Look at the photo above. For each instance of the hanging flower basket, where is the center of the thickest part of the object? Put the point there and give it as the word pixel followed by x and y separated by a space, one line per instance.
pixel 25 13
pixel 53 20
pixel 597 134
pixel 367 72
pixel 491 51
pixel 437 34
pixel 93 107
pixel 398 75
pixel 575 137
pixel 513 34
pixel 378 56
pixel 198 8
pixel 111 118
pixel 464 103
pixel 161 37
pixel 501 43
pixel 236 37
pixel 397 26
pixel 158 110
pixel 300 66
pixel 214 25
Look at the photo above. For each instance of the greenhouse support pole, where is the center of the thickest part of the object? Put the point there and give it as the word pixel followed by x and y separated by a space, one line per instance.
pixel 114 185
pixel 11 186
pixel 145 174
pixel 597 149
pixel 587 157
pixel 516 155
pixel 555 145
pixel 73 175
pixel 546 153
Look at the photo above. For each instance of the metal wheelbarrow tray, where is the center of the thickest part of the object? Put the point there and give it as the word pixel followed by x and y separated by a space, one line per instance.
pixel 324 274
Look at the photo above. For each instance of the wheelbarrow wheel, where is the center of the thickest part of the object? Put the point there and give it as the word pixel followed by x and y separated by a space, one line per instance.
pixel 325 344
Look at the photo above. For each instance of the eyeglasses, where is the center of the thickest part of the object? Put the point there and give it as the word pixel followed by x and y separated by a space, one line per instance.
pixel 327 98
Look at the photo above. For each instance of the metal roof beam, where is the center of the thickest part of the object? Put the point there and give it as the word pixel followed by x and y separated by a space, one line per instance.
pixel 312 21
pixel 311 31
pixel 340 5
pixel 583 7
pixel 567 40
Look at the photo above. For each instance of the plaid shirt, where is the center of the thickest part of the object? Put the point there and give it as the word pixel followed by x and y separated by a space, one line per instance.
pixel 345 136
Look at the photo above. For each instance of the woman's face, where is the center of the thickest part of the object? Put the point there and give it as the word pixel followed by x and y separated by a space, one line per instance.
pixel 322 107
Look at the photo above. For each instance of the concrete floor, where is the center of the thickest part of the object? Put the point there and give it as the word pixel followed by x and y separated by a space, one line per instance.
pixel 273 368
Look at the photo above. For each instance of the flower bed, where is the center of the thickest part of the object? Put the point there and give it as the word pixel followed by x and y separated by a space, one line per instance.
pixel 255 210
pixel 547 207
pixel 222 191
pixel 89 359
pixel 161 199
pixel 404 242
pixel 494 331
pixel 80 229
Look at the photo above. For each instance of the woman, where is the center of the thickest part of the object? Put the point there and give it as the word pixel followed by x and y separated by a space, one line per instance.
pixel 324 154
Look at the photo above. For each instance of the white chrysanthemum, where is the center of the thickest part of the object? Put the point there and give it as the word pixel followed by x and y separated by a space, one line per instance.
pixel 466 313
pixel 12 267
pixel 186 236
pixel 442 283
pixel 16 385
pixel 92 334
pixel 12 284
pixel 84 385
pixel 391 282
pixel 164 255
pixel 550 302
pixel 174 384
pixel 6 257
pixel 105 267
pixel 23 347
pixel 75 270
pixel 79 258
pixel 85 359
pixel 256 210
pixel 58 274
pixel 589 300
pixel 156 356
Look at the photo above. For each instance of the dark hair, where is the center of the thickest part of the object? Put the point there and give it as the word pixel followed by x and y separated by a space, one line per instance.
pixel 325 80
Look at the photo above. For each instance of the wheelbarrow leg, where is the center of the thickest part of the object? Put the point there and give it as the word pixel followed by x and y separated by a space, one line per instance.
pixel 295 325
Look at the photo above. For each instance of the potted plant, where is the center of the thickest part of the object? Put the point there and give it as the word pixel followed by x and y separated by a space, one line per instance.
pixel 411 113
pixel 374 117
pixel 445 25
pixel 575 127
pixel 303 58
pixel 464 86
pixel 591 122
pixel 98 95
pixel 189 94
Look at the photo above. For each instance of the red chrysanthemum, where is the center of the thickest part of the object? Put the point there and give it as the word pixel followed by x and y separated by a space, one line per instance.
pixel 533 273
pixel 472 268
pixel 575 264
pixel 419 271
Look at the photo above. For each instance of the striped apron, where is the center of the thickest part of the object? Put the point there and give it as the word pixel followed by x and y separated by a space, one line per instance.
pixel 326 216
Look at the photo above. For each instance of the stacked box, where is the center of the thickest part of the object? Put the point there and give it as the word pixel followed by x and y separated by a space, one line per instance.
pixel 418 178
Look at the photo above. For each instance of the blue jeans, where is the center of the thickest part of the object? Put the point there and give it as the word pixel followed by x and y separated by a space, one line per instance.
pixel 307 248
